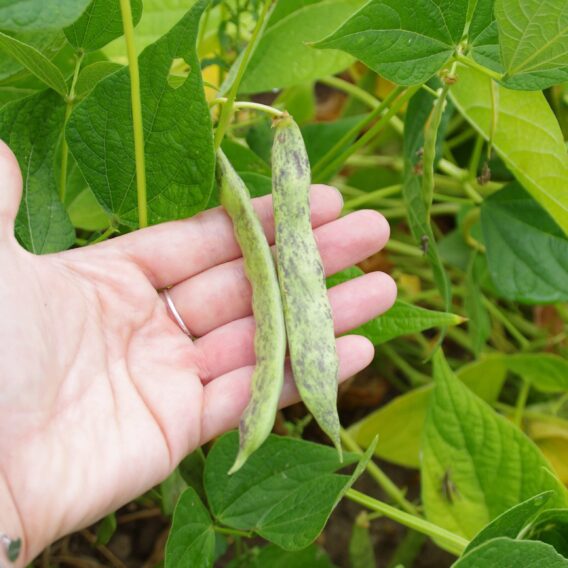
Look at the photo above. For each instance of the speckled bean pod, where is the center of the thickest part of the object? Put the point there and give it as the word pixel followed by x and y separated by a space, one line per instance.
pixel 270 336
pixel 309 321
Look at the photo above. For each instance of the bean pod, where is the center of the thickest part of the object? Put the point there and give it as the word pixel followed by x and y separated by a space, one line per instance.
pixel 309 321
pixel 270 336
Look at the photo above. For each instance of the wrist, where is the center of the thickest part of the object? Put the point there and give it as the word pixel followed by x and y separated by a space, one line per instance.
pixel 11 529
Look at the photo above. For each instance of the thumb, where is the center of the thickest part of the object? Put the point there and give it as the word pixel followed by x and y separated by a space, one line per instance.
pixel 10 191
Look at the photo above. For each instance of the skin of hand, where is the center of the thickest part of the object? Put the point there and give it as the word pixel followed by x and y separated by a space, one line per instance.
pixel 101 393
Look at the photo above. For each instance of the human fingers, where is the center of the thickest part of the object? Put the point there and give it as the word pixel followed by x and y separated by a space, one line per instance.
pixel 10 191
pixel 226 397
pixel 353 303
pixel 174 251
pixel 223 293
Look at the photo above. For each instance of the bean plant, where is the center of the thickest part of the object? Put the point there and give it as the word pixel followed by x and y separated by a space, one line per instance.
pixel 450 118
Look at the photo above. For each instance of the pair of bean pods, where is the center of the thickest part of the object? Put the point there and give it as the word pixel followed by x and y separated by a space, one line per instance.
pixel 289 300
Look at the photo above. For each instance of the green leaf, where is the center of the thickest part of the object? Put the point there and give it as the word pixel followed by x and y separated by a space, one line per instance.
pixel 29 15
pixel 178 134
pixel 400 423
pixel 283 59
pixel 527 137
pixel 361 551
pixel 285 492
pixel 191 541
pixel 32 128
pixel 272 556
pixel 509 553
pixel 483 36
pixel 527 252
pixel 93 74
pixel 157 18
pixel 106 529
pixel 86 213
pixel 512 522
pixel 475 463
pixel 170 491
pixel 479 323
pixel 401 319
pixel 405 41
pixel 545 371
pixel 35 62
pixel 417 115
pixel 244 159
pixel 533 36
pixel 100 24
pixel 552 527
pixel 192 469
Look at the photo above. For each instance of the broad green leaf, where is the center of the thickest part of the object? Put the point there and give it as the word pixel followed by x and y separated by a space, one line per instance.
pixel 93 74
pixel 400 423
pixel 244 159
pixel 170 491
pixel 285 492
pixel 545 371
pixel 32 128
pixel 406 41
pixel 178 134
pixel 191 541
pixel 86 213
pixel 527 252
pixel 533 35
pixel 283 59
pixel 483 36
pixel 527 137
pixel 30 15
pixel 475 463
pixel 417 114
pixel 401 319
pixel 552 527
pixel 100 24
pixel 509 553
pixel 35 62
pixel 158 17
pixel 191 469
pixel 512 521
pixel 272 556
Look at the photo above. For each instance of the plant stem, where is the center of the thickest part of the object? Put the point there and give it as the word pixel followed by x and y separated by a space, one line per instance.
pixel 351 89
pixel 237 105
pixel 323 162
pixel 474 65
pixel 521 403
pixel 403 248
pixel 232 532
pixel 137 121
pixel 108 232
pixel 372 196
pixel 500 316
pixel 379 476
pixel 453 542
pixel 70 100
pixel 415 377
pixel 437 209
pixel 227 111
pixel 349 149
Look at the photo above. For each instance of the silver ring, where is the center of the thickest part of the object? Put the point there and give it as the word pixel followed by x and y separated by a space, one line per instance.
pixel 175 313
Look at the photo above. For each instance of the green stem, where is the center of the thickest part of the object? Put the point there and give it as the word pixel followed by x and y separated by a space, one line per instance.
pixel 403 248
pixel 232 532
pixel 474 65
pixel 372 196
pixel 521 403
pixel 476 156
pixel 323 162
pixel 108 232
pixel 460 138
pixel 500 316
pixel 349 149
pixel 453 542
pixel 414 376
pixel 351 89
pixel 437 209
pixel 227 112
pixel 238 105
pixel 379 476
pixel 69 100
pixel 136 103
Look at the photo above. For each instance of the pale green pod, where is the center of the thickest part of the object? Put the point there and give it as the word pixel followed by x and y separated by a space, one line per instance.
pixel 309 321
pixel 270 336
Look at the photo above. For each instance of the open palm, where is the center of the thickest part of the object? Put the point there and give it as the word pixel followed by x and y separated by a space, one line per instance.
pixel 101 394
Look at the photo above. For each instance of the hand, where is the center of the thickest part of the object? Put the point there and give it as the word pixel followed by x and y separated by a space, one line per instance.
pixel 101 394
